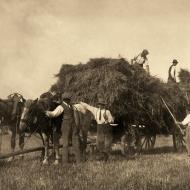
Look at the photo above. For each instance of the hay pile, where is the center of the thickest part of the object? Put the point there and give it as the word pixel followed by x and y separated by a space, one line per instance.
pixel 184 76
pixel 132 95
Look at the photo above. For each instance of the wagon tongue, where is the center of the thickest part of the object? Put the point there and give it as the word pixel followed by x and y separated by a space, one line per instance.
pixel 175 121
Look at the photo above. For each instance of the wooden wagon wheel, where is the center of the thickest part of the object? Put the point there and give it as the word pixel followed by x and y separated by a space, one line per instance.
pixel 178 142
pixel 147 142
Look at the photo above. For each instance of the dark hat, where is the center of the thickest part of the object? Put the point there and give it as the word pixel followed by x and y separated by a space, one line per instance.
pixel 174 61
pixel 145 51
pixel 46 95
pixel 101 101
pixel 66 95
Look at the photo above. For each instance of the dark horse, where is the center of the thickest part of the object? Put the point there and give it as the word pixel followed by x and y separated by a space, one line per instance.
pixel 34 120
pixel 10 112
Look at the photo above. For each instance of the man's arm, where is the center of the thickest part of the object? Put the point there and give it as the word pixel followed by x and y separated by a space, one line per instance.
pixel 186 121
pixel 146 66
pixel 133 61
pixel 177 74
pixel 92 109
pixel 110 118
pixel 56 112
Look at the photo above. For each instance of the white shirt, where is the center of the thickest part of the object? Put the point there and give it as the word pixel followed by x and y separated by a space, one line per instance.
pixel 175 73
pixel 141 60
pixel 186 121
pixel 56 112
pixel 102 116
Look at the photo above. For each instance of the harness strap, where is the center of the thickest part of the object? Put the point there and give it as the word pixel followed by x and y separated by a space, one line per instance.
pixel 77 114
pixel 23 120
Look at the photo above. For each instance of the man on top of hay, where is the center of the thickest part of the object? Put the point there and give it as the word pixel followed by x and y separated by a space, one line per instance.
pixel 103 118
pixel 69 128
pixel 172 76
pixel 142 60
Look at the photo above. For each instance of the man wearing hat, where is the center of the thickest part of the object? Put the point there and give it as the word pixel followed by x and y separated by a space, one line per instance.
pixel 142 60
pixel 69 128
pixel 172 76
pixel 103 118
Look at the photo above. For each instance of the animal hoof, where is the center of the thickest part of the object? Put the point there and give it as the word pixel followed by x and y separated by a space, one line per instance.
pixel 58 158
pixel 45 162
pixel 21 156
pixel 56 162
pixel 10 159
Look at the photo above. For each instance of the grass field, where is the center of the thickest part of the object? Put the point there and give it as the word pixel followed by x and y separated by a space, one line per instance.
pixel 160 169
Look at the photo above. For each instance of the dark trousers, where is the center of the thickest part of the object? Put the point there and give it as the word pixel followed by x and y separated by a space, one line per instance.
pixel 104 138
pixel 70 133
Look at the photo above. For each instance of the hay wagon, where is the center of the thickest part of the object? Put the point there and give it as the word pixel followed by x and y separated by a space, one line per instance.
pixel 133 96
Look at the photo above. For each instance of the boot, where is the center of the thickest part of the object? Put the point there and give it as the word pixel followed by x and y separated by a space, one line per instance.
pixel 65 155
pixel 78 155
pixel 77 148
pixel 105 156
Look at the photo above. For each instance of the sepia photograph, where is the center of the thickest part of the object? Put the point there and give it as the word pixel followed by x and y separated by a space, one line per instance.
pixel 94 94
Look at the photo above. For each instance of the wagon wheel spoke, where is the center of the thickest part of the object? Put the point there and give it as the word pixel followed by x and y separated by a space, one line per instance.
pixel 147 142
pixel 152 141
pixel 143 143
pixel 148 139
pixel 178 142
pixel 183 140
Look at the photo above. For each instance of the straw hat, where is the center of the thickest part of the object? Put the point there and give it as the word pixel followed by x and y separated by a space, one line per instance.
pixel 66 95
pixel 175 61
pixel 101 101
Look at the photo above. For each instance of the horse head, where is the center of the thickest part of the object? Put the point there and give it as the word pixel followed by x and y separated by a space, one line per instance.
pixel 28 117
pixel 18 101
pixel 46 100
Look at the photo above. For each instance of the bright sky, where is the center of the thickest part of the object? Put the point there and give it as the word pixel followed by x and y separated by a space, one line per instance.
pixel 37 36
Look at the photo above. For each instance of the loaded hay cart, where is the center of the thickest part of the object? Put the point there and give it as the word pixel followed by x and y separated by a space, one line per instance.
pixel 133 96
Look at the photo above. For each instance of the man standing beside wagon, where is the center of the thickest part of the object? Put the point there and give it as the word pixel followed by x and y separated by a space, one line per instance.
pixel 69 128
pixel 103 118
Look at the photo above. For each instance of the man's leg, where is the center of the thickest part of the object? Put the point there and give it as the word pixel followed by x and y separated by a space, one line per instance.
pixel 108 140
pixel 100 138
pixel 66 130
pixel 100 142
pixel 76 141
pixel 0 139
pixel 56 145
pixel 187 139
